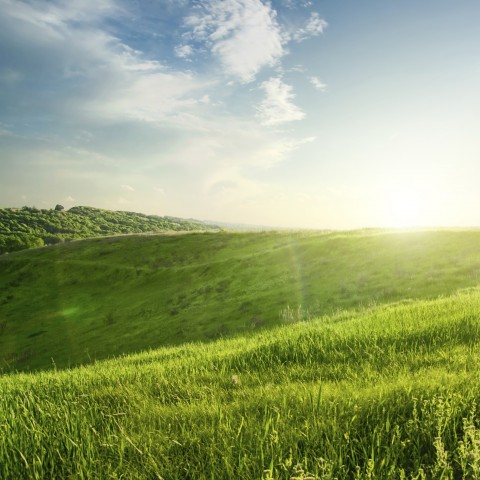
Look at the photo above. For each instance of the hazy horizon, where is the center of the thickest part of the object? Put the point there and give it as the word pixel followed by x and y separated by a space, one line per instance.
pixel 309 114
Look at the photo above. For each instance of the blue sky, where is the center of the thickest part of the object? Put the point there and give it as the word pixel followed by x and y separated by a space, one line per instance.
pixel 317 114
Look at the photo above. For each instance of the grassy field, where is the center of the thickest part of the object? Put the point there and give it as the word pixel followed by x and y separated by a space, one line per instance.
pixel 375 376
pixel 73 303
pixel 387 393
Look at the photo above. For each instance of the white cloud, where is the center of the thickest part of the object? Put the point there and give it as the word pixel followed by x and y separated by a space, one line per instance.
pixel 275 151
pixel 183 51
pixel 52 17
pixel 128 188
pixel 151 96
pixel 297 68
pixel 128 86
pixel 293 4
pixel 111 81
pixel 318 84
pixel 67 42
pixel 294 144
pixel 276 108
pixel 314 27
pixel 243 34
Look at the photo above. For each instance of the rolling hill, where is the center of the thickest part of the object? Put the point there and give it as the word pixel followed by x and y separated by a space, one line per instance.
pixel 267 356
pixel 390 392
pixel 82 301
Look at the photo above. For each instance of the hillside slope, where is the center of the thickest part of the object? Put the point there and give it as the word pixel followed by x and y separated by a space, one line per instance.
pixel 387 393
pixel 30 227
pixel 78 302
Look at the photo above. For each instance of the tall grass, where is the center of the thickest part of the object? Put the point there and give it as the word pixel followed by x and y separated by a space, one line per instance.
pixel 390 392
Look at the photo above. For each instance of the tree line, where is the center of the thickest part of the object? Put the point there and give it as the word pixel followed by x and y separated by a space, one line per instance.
pixel 30 227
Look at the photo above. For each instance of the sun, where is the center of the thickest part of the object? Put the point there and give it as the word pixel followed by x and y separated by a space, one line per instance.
pixel 405 208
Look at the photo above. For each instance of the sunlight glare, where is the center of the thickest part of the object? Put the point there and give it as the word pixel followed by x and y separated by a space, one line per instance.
pixel 405 208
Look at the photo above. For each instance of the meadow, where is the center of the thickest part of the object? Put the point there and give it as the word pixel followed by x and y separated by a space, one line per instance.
pixel 82 301
pixel 294 355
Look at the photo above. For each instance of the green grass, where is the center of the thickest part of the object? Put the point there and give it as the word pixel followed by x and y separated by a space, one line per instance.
pixel 74 303
pixel 285 356
pixel 389 392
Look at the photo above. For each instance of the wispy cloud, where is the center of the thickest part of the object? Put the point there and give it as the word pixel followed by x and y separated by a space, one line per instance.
pixel 277 107
pixel 314 27
pixel 55 14
pixel 294 4
pixel 102 77
pixel 318 84
pixel 5 131
pixel 243 34
pixel 128 188
pixel 150 96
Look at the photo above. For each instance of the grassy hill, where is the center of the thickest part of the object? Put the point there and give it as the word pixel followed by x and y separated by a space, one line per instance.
pixel 387 393
pixel 343 355
pixel 81 301
pixel 30 227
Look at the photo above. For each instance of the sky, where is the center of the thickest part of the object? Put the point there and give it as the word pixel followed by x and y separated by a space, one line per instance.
pixel 334 114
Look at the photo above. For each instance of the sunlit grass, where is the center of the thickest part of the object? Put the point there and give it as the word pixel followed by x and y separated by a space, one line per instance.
pixel 389 392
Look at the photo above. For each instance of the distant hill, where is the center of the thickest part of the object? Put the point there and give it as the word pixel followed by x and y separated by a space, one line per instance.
pixel 28 227
pixel 248 227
